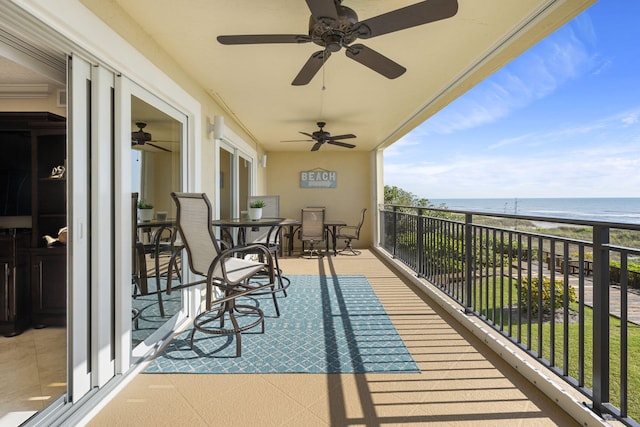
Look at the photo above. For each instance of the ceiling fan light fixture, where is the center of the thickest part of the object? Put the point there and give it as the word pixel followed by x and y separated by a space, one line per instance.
pixel 333 41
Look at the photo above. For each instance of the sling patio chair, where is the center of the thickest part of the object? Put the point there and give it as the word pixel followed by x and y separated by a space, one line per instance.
pixel 349 233
pixel 271 237
pixel 227 270
pixel 154 262
pixel 312 230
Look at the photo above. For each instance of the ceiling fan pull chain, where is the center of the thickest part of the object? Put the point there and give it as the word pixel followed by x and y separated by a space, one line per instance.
pixel 324 60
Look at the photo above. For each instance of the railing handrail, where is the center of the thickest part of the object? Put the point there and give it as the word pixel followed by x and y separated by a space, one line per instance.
pixel 552 219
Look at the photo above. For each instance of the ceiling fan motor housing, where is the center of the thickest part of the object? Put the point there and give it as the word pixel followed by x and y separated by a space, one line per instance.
pixel 334 34
pixel 321 135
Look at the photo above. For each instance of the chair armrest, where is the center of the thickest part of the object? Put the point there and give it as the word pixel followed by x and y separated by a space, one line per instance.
pixel 243 250
pixel 342 228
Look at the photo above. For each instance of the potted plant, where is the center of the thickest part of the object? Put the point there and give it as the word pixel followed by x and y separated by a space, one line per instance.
pixel 145 211
pixel 255 210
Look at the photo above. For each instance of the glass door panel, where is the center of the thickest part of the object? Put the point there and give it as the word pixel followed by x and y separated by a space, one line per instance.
pixel 244 182
pixel 155 172
pixel 226 183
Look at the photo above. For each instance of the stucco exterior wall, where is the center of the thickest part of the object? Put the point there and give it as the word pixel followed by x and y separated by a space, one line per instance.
pixel 352 193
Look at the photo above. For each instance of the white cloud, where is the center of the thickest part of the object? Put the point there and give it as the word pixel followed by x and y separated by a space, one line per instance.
pixel 535 75
pixel 612 124
pixel 598 168
pixel 630 118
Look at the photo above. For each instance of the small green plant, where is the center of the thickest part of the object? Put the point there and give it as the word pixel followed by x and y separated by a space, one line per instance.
pixel 546 294
pixel 257 204
pixel 143 204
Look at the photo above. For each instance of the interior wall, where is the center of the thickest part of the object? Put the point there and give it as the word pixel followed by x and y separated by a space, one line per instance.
pixel 352 193
pixel 162 199
pixel 34 104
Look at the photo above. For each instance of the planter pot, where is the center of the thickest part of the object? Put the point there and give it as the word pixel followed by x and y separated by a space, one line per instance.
pixel 145 214
pixel 255 214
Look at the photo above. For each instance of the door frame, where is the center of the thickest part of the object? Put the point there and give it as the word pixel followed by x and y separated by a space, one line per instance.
pixel 239 149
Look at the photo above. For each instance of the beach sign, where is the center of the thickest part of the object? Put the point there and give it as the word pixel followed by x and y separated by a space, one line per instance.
pixel 318 178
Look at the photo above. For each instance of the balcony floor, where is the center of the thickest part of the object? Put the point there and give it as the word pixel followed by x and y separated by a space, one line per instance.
pixel 462 382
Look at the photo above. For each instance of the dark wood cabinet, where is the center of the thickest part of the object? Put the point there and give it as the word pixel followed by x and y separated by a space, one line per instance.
pixel 48 193
pixel 35 282
pixel 14 282
pixel 48 296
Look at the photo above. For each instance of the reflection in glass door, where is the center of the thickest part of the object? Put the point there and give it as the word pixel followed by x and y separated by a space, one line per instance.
pixel 235 182
pixel 226 182
pixel 155 173
pixel 244 182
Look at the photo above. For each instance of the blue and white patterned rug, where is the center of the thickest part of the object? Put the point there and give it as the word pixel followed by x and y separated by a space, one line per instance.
pixel 327 324
pixel 150 319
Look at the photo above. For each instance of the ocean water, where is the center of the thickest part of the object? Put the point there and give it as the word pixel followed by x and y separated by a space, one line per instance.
pixel 619 210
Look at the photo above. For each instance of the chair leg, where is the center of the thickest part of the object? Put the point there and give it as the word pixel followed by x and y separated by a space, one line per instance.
pixel 281 280
pixel 312 250
pixel 230 307
pixel 135 315
pixel 159 293
pixel 348 247
pixel 275 300
pixel 237 333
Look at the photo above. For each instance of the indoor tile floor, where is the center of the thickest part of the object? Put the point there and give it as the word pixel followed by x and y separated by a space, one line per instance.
pixel 33 370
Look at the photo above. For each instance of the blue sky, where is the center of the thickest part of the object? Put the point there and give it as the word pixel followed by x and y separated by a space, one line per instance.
pixel 562 120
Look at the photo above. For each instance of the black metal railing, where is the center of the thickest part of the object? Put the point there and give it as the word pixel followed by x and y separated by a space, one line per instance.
pixel 563 300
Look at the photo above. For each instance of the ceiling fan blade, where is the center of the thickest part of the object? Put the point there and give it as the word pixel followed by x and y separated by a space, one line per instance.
pixel 323 9
pixel 307 134
pixel 311 67
pixel 158 147
pixel 341 144
pixel 264 38
pixel 376 61
pixel 406 17
pixel 297 140
pixel 347 136
pixel 317 146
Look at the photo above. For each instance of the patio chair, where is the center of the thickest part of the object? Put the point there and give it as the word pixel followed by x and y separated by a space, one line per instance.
pixel 140 274
pixel 227 270
pixel 164 248
pixel 312 230
pixel 349 233
pixel 270 237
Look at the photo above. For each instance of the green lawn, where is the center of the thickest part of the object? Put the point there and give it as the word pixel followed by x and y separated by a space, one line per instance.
pixel 493 295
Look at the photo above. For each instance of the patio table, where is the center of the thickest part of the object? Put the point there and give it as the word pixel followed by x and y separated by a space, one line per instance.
pixel 243 223
pixel 330 224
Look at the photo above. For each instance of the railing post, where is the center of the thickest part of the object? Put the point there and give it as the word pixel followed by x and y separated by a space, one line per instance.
pixel 468 259
pixel 601 273
pixel 420 242
pixel 395 229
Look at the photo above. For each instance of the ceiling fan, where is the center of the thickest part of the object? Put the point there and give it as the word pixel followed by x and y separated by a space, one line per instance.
pixel 140 137
pixel 334 26
pixel 321 136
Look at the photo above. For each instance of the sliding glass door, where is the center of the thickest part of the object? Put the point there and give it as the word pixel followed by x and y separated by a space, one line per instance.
pixel 235 181
pixel 155 172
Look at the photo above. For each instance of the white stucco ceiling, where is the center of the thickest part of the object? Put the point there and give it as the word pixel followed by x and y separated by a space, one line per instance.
pixel 253 82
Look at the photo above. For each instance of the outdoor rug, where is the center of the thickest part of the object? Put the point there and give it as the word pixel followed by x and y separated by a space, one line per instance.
pixel 327 324
pixel 150 319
